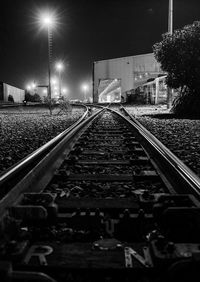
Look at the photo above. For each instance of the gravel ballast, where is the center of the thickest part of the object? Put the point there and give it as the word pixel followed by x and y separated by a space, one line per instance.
pixel 23 131
pixel 181 136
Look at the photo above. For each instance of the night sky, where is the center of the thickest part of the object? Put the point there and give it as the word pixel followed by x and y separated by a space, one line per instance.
pixel 87 31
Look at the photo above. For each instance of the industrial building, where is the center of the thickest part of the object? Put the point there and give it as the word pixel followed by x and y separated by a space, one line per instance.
pixel 115 79
pixel 7 90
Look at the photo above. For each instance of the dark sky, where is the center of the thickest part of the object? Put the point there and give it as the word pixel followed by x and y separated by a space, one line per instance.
pixel 87 31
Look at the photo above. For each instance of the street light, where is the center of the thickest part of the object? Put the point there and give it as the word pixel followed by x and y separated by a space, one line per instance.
pixel 85 88
pixel 59 67
pixel 28 87
pixel 48 21
pixel 31 86
pixel 65 90
pixel 54 81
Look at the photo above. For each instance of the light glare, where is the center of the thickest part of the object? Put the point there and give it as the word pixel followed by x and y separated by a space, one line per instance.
pixel 85 87
pixel 47 19
pixel 64 90
pixel 59 66
pixel 54 81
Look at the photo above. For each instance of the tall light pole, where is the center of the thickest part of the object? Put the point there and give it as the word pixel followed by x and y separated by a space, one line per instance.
pixel 170 31
pixel 59 68
pixel 170 17
pixel 48 21
pixel 49 31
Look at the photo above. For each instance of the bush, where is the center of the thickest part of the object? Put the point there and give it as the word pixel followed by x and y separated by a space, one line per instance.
pixel 187 103
pixel 179 56
pixel 64 105
pixel 32 98
pixel 36 98
pixel 10 98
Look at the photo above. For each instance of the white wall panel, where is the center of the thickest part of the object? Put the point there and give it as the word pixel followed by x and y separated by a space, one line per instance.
pixel 125 68
pixel 17 93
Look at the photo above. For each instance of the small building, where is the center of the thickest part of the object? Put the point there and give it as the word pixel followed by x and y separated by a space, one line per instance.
pixel 7 90
pixel 113 79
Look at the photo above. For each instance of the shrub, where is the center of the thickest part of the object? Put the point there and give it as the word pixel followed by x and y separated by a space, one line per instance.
pixel 10 98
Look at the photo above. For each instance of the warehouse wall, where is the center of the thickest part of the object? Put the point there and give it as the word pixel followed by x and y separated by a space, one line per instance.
pixel 132 71
pixel 17 93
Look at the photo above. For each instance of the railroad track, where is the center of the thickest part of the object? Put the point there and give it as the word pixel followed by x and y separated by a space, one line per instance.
pixel 108 202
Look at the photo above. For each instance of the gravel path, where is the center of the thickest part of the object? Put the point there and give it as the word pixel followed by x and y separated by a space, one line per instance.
pixel 181 136
pixel 23 131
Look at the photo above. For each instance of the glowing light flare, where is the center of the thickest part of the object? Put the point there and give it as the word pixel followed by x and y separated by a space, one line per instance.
pixel 54 81
pixel 48 19
pixel 59 66
pixel 65 90
pixel 84 87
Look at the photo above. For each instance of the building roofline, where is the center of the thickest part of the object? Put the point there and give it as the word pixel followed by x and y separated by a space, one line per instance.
pixel 153 81
pixel 3 82
pixel 123 57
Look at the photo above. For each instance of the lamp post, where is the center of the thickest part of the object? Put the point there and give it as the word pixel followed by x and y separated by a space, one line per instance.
pixel 48 21
pixel 59 68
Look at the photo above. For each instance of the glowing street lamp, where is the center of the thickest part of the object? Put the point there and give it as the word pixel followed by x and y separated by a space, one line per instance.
pixel 28 87
pixel 33 85
pixel 54 81
pixel 48 21
pixel 65 91
pixel 85 88
pixel 59 67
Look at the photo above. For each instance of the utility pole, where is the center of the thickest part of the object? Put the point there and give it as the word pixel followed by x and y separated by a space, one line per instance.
pixel 49 65
pixel 170 31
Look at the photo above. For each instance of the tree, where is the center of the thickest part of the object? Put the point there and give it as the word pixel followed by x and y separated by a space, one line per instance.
pixel 51 103
pixel 37 98
pixel 179 56
pixel 32 98
pixel 28 97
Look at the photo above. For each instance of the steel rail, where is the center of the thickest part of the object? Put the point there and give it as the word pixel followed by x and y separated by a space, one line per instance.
pixel 37 178
pixel 184 171
pixel 31 158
